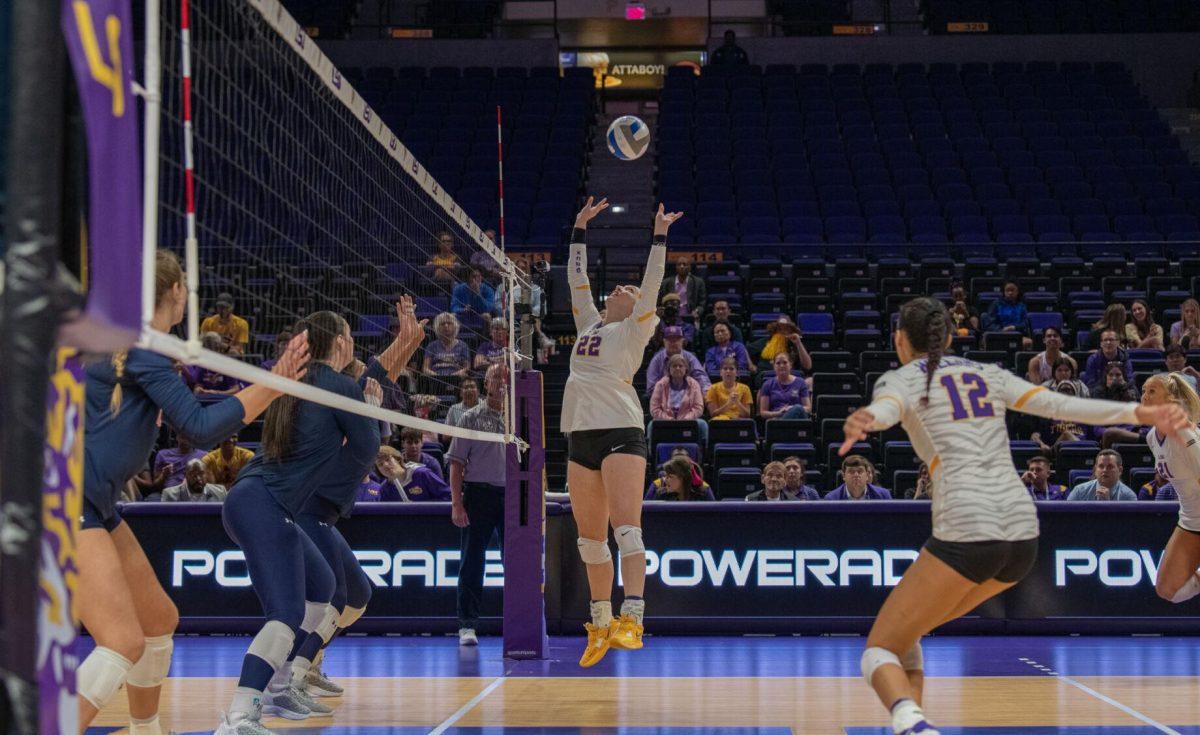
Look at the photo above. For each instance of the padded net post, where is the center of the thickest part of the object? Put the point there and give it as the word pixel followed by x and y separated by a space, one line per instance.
pixel 525 527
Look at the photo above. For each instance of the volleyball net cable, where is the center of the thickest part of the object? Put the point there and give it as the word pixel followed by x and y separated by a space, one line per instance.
pixel 286 194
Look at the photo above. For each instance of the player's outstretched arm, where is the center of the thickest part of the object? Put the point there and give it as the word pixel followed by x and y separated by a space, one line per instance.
pixel 656 264
pixel 1168 419
pixel 582 306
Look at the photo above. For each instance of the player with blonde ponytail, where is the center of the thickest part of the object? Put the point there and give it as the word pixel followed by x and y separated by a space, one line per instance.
pixel 1177 458
pixel 120 600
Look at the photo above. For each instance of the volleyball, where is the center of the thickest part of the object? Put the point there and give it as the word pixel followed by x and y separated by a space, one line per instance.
pixel 628 137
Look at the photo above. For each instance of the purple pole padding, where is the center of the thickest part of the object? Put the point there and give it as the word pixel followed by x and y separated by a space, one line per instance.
pixel 99 39
pixel 62 500
pixel 525 528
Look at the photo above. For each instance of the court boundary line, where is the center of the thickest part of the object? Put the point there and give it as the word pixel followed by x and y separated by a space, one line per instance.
pixel 447 723
pixel 1102 697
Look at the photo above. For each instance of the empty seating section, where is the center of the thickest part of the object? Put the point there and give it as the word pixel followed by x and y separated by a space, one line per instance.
pixel 1038 156
pixel 447 118
pixel 1064 16
pixel 323 18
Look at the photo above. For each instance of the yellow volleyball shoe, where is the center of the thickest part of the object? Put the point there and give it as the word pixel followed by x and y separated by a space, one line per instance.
pixel 597 644
pixel 626 633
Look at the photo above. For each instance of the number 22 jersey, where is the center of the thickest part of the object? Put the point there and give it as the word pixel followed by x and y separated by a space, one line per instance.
pixel 961 436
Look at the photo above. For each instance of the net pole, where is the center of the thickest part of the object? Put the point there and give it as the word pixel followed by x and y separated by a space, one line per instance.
pixel 510 404
pixel 191 249
pixel 152 91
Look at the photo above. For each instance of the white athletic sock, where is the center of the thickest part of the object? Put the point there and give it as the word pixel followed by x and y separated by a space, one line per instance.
pixel 281 680
pixel 635 607
pixel 246 701
pixel 601 613
pixel 905 714
pixel 144 727
pixel 1190 589
pixel 300 667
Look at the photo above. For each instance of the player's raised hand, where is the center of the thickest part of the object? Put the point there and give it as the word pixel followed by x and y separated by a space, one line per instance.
pixel 411 331
pixel 373 392
pixel 664 219
pixel 590 210
pixel 1168 419
pixel 856 428
pixel 294 361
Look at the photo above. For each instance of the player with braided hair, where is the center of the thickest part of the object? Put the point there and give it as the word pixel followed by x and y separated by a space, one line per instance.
pixel 985 526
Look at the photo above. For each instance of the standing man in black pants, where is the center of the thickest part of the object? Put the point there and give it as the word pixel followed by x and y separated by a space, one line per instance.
pixel 477 480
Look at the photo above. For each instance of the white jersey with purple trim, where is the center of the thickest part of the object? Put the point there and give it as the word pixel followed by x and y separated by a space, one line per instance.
pixel 961 435
pixel 599 393
pixel 1178 460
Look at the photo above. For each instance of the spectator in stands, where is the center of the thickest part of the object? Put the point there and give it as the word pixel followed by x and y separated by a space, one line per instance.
pixel 473 299
pixel 1140 331
pixel 492 351
pixel 1041 365
pixel 728 399
pixel 209 382
pixel 924 488
pixel 281 343
pixel 1037 480
pixel 226 461
pixel 1186 331
pixel 784 396
pixel 793 476
pixel 677 397
pixel 1065 371
pixel 1059 431
pixel 197 486
pixel 659 483
pixel 782 336
pixel 774 481
pixel 682 481
pixel 726 347
pixel 1106 484
pixel 673 345
pixel 407 482
pixel 171 462
pixel 424 406
pixel 1114 319
pixel 1156 488
pixel 691 290
pixel 729 53
pixel 445 261
pixel 669 316
pixel 1009 314
pixel 1176 361
pixel 721 314
pixel 486 264
pixel 857 472
pixel 965 316
pixel 468 398
pixel 1116 389
pixel 412 441
pixel 447 355
pixel 1097 364
pixel 232 328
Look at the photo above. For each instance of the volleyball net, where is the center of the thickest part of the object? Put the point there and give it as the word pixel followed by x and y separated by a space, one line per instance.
pixel 285 194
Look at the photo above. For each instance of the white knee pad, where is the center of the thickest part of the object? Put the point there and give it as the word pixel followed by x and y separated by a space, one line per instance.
pixel 273 643
pixel 328 625
pixel 350 616
pixel 873 658
pixel 151 669
pixel 101 675
pixel 914 660
pixel 314 613
pixel 629 540
pixel 593 551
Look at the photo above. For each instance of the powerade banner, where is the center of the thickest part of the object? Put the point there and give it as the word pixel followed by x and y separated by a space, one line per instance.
pixel 720 567
pixel 99 38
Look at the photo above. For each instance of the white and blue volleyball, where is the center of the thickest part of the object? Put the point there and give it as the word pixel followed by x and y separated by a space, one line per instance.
pixel 628 137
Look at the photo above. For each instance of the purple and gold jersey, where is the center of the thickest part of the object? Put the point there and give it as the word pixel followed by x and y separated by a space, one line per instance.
pixel 1178 460
pixel 599 392
pixel 961 435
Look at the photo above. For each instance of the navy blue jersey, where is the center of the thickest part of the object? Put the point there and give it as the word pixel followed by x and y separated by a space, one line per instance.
pixel 341 489
pixel 117 446
pixel 318 452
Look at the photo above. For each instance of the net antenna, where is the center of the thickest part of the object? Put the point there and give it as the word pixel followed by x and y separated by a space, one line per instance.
pixel 289 192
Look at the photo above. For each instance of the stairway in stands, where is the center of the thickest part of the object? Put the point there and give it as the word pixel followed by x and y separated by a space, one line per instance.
pixel 628 184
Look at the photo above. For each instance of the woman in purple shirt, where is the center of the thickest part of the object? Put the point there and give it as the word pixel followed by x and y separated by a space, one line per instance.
pixel 784 396
pixel 491 353
pixel 447 355
pixel 726 347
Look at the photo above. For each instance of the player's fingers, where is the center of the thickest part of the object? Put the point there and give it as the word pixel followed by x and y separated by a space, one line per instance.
pixel 603 203
pixel 847 445
pixel 589 203
pixel 661 209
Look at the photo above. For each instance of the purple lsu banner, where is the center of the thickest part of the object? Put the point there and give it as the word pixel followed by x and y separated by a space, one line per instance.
pixel 62 502
pixel 99 38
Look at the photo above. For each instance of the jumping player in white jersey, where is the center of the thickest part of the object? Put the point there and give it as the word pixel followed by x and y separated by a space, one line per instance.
pixel 985 525
pixel 602 418
pixel 1177 458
